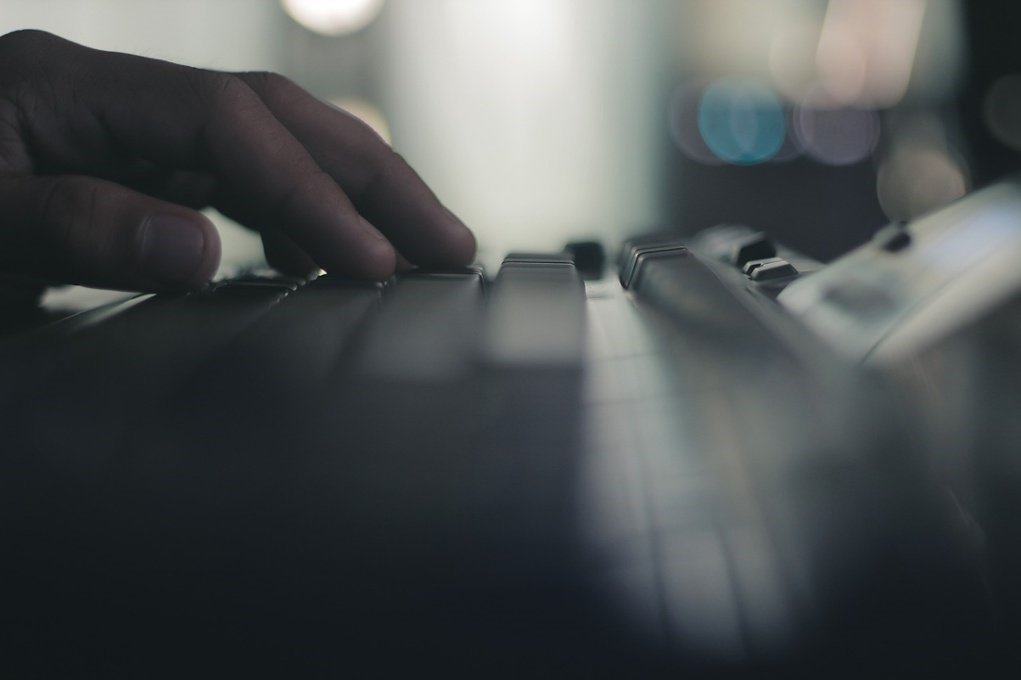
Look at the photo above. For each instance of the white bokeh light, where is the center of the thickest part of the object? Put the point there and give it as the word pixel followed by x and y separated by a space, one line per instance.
pixel 333 17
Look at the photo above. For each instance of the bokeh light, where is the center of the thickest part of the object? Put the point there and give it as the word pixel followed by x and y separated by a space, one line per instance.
pixel 333 17
pixel 867 50
pixel 792 59
pixel 860 53
pixel 741 120
pixel 915 180
pixel 684 124
pixel 791 148
pixel 839 136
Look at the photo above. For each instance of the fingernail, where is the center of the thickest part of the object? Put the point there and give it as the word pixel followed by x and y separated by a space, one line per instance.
pixel 172 249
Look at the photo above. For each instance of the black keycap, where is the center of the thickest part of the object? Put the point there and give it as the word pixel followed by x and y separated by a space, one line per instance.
pixel 754 246
pixel 300 343
pixel 589 258
pixel 639 250
pixel 777 268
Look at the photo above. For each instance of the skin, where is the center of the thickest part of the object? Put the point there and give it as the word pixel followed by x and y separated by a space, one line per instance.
pixel 105 159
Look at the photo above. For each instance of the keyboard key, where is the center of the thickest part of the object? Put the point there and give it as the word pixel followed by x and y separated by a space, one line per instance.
pixel 704 311
pixel 425 330
pixel 299 345
pixel 640 250
pixel 754 246
pixel 539 258
pixel 777 268
pixel 536 315
pixel 752 265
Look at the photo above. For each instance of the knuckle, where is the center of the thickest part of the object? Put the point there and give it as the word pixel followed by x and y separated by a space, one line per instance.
pixel 25 55
pixel 222 90
pixel 381 165
pixel 34 65
pixel 25 42
pixel 226 88
pixel 284 202
pixel 267 83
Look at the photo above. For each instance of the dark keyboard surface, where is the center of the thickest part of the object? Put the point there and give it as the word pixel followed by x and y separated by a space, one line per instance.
pixel 550 473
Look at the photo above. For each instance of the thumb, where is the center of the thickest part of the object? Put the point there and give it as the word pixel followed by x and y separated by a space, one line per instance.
pixel 76 229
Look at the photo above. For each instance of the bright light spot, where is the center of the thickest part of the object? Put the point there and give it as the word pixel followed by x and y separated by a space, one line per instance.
pixel 867 50
pixel 365 112
pixel 861 53
pixel 1002 110
pixel 917 180
pixel 842 65
pixel 741 121
pixel 333 17
pixel 792 55
pixel 836 136
pixel 684 125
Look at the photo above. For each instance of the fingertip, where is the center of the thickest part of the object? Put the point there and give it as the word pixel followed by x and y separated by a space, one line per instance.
pixel 368 257
pixel 285 256
pixel 403 265
pixel 178 250
pixel 209 263
pixel 378 261
pixel 451 243
pixel 462 244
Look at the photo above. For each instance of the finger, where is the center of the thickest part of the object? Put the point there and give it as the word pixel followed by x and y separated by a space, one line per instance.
pixel 283 255
pixel 94 232
pixel 193 189
pixel 192 119
pixel 403 266
pixel 383 187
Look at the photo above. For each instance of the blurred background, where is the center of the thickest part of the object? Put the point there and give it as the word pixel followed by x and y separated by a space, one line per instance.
pixel 540 121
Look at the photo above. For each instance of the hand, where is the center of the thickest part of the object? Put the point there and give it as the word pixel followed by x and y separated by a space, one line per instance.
pixel 105 158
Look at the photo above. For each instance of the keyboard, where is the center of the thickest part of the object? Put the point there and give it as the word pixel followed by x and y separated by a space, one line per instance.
pixel 655 469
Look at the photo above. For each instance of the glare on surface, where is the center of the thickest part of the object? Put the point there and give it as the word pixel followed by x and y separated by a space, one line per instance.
pixel 333 17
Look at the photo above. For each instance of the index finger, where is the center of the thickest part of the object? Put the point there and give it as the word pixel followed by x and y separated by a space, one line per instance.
pixel 384 188
pixel 190 118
